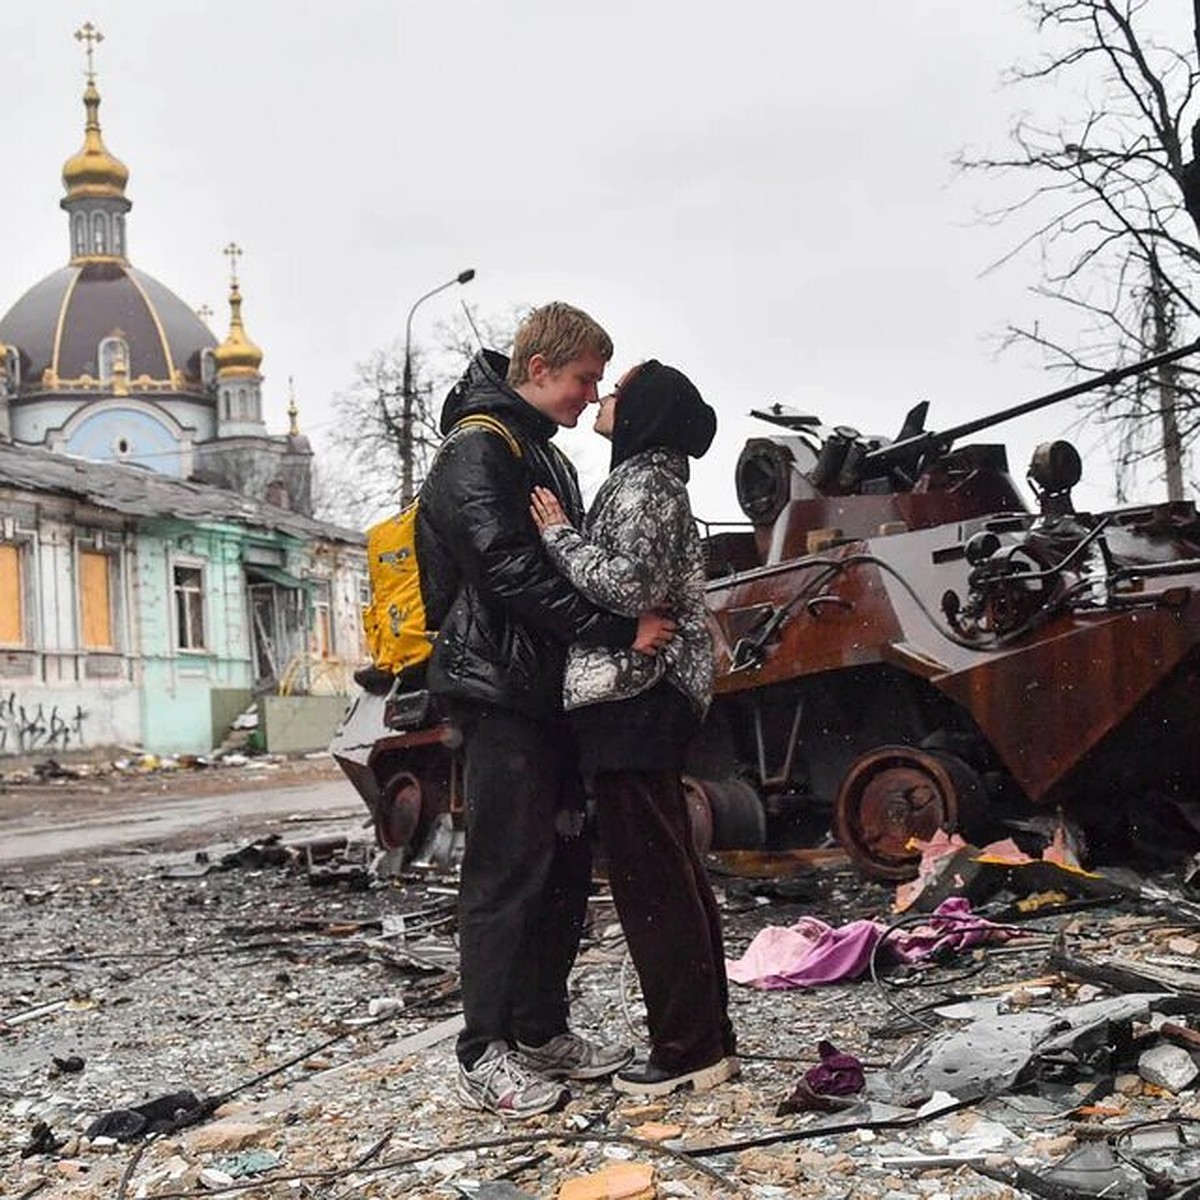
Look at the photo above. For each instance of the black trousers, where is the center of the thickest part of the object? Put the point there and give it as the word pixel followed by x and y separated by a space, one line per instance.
pixel 526 872
pixel 669 915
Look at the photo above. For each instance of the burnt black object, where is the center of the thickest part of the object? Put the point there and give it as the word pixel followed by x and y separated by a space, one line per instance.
pixel 161 1115
pixel 41 1141
pixel 265 852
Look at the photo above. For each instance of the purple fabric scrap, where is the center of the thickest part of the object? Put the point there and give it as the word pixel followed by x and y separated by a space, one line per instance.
pixel 827 1086
pixel 810 952
pixel 837 1074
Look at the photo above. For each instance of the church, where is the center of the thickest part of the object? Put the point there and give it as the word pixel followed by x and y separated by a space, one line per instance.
pixel 160 566
pixel 102 361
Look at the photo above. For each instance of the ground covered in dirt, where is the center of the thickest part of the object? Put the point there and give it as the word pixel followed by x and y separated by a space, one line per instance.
pixel 41 787
pixel 299 1012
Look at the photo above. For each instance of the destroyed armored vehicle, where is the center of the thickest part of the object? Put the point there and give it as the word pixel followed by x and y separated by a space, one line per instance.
pixel 903 647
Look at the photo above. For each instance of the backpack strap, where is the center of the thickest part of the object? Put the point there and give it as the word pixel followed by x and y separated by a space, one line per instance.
pixel 487 421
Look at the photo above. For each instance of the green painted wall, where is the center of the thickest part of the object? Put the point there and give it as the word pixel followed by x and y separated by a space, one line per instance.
pixel 178 684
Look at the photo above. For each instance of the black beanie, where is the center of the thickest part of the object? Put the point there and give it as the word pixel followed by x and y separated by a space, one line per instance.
pixel 661 406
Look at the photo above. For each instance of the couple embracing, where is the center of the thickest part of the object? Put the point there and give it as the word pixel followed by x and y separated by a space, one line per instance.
pixel 575 658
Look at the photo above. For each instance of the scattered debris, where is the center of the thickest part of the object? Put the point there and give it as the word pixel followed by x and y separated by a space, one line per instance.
pixel 950 867
pixel 998 1051
pixel 314 1028
pixel 1169 1067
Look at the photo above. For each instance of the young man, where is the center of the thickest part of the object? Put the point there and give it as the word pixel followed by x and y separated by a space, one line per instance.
pixel 506 618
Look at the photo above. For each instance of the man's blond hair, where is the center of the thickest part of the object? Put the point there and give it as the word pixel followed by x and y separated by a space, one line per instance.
pixel 560 333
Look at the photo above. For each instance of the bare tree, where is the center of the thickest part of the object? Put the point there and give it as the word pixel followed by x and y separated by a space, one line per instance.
pixel 1114 213
pixel 360 481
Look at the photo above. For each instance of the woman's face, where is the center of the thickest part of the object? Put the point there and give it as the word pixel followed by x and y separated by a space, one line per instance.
pixel 606 417
pixel 603 424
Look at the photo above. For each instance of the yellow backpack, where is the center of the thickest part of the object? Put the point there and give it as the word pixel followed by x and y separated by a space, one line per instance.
pixel 394 620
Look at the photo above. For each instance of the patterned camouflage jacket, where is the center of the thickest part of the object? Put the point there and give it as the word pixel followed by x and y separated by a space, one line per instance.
pixel 640 549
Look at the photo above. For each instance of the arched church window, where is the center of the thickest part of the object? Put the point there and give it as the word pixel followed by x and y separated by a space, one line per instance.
pixel 208 367
pixel 79 233
pixel 118 234
pixel 99 234
pixel 113 351
pixel 242 412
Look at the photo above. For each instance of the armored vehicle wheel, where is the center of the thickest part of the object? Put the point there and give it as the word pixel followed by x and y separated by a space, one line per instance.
pixel 895 794
pixel 399 810
pixel 725 814
pixel 410 802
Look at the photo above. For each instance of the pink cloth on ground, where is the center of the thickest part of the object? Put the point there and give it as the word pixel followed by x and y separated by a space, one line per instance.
pixel 811 952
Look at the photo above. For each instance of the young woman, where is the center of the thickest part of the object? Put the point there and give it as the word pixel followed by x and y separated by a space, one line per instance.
pixel 634 714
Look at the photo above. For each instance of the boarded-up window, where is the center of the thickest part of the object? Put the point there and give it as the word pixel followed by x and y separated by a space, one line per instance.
pixel 12 610
pixel 95 601
pixel 322 627
pixel 189 608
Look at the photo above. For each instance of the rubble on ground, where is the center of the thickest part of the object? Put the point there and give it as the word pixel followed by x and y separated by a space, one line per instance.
pixel 274 1018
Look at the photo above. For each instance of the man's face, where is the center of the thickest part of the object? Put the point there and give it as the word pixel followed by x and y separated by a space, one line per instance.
pixel 562 393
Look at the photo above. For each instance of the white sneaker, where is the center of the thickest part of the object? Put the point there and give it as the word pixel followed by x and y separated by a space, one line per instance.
pixel 569 1056
pixel 499 1083
pixel 647 1080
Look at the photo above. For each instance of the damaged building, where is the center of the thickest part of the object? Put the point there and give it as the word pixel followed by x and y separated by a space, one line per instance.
pixel 137 609
pixel 159 563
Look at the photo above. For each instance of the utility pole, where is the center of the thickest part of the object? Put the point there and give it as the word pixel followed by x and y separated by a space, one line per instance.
pixel 408 399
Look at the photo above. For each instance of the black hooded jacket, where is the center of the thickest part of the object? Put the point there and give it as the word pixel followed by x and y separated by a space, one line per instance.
pixel 504 613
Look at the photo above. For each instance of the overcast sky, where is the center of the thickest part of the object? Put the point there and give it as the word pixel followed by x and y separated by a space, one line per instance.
pixel 759 193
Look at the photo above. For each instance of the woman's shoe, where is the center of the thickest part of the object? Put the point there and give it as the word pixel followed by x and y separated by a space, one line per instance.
pixel 645 1079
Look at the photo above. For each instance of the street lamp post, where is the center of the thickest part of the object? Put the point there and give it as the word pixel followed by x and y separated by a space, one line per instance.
pixel 407 398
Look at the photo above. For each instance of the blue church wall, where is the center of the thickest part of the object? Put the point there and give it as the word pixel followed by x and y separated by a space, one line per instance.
pixel 126 435
pixel 191 414
pixel 33 420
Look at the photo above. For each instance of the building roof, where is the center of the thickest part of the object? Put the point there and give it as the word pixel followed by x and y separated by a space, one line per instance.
pixel 58 324
pixel 137 492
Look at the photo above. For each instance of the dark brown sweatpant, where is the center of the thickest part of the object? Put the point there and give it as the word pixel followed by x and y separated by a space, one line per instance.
pixel 669 915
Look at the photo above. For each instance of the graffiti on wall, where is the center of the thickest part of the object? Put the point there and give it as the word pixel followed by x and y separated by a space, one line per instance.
pixel 24 729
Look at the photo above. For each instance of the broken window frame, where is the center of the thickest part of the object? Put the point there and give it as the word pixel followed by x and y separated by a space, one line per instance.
pixel 272 601
pixel 188 606
pixel 322 639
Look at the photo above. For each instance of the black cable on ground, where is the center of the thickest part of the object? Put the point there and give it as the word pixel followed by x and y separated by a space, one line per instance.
pixel 928 919
pixel 130 1167
pixel 687 1159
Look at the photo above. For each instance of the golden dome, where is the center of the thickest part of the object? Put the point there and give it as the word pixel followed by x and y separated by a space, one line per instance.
pixel 93 172
pixel 237 354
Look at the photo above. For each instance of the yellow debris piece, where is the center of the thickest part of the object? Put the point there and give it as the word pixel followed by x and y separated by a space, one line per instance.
pixel 621 1181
